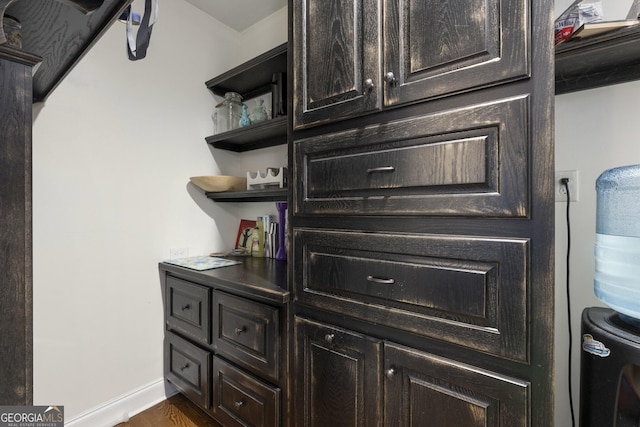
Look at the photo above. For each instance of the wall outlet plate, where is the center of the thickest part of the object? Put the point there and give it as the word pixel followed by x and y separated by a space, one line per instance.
pixel 177 253
pixel 561 191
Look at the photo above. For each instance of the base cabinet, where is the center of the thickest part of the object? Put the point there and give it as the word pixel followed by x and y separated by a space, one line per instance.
pixel 349 379
pixel 339 377
pixel 226 352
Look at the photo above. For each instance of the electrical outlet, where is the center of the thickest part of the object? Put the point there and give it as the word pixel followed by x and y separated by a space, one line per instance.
pixel 177 253
pixel 561 191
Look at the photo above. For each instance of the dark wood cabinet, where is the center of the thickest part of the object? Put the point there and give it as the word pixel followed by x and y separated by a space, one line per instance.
pixel 423 389
pixel 226 340
pixel 456 163
pixel 423 222
pixel 435 48
pixel 362 55
pixel 337 67
pixel 339 377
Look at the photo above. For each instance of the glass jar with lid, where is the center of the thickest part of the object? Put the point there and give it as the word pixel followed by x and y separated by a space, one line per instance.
pixel 228 112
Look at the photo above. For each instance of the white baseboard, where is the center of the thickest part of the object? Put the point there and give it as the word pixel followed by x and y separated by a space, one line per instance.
pixel 124 407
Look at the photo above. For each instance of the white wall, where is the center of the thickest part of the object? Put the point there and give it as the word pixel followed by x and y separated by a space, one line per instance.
pixel 113 149
pixel 595 130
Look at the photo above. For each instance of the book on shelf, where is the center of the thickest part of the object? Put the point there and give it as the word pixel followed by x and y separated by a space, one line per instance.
pixel 595 28
pixel 246 234
pixel 258 238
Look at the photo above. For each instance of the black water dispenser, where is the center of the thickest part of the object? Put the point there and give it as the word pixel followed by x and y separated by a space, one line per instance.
pixel 610 370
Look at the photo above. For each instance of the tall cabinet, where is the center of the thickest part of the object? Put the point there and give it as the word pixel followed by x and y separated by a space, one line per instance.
pixel 15 233
pixel 422 212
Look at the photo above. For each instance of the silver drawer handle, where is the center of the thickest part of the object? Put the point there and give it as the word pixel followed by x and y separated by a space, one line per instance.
pixel 186 307
pixel 238 404
pixel 390 373
pixel 380 280
pixel 185 366
pixel 241 330
pixel 381 169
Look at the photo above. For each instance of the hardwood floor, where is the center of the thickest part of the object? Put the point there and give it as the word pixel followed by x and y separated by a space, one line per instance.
pixel 176 411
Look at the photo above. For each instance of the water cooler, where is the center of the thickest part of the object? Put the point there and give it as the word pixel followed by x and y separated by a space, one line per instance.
pixel 609 370
pixel 610 358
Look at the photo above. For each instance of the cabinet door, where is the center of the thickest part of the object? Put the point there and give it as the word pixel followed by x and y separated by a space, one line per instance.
pixel 422 389
pixel 433 48
pixel 337 377
pixel 336 59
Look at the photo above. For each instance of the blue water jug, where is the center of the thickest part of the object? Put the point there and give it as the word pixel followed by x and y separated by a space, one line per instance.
pixel 617 248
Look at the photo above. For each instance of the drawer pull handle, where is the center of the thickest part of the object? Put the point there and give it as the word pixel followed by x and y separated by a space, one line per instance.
pixel 241 330
pixel 185 366
pixel 238 404
pixel 381 169
pixel 390 373
pixel 380 280
pixel 330 338
pixel 186 307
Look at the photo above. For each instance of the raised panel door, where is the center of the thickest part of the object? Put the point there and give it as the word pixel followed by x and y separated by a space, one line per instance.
pixel 434 48
pixel 337 377
pixel 336 59
pixel 422 389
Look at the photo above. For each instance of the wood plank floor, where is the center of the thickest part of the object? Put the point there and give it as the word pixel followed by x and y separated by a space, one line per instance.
pixel 176 411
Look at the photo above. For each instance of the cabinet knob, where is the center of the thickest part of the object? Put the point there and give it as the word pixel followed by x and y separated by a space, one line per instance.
pixel 390 373
pixel 186 307
pixel 238 404
pixel 185 366
pixel 390 78
pixel 240 330
pixel 368 85
pixel 329 338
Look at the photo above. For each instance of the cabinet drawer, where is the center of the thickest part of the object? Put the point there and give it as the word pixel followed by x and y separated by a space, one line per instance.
pixel 240 399
pixel 461 162
pixel 187 309
pixel 467 290
pixel 247 332
pixel 422 389
pixel 188 367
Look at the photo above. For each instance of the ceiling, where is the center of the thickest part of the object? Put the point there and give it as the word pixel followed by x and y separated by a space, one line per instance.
pixel 239 14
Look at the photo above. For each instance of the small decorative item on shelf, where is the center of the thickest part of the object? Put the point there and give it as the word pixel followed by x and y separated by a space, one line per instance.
pixel 214 117
pixel 272 178
pixel 244 119
pixel 278 95
pixel 229 112
pixel 215 184
pixel 258 114
pixel 282 231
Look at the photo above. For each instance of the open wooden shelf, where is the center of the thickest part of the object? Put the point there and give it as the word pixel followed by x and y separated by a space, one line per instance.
pixel 261 135
pixel 603 60
pixel 273 195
